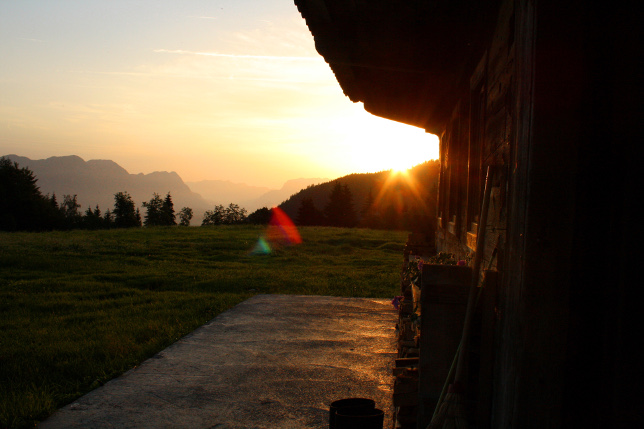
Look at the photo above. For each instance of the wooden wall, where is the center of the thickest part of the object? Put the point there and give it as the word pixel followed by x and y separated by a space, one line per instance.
pixel 549 105
pixel 479 134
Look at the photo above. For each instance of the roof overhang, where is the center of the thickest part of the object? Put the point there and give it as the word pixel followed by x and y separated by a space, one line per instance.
pixel 406 61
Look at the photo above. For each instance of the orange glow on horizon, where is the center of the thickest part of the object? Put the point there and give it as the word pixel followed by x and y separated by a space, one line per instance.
pixel 379 144
pixel 257 104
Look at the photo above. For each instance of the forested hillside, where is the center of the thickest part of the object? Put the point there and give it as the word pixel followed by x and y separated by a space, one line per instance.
pixel 380 200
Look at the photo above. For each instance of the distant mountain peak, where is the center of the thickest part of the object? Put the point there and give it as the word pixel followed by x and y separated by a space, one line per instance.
pixel 106 166
pixel 95 182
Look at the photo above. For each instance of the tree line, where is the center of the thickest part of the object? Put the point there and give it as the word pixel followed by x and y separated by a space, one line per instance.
pixel 24 208
pixel 339 210
pixel 371 200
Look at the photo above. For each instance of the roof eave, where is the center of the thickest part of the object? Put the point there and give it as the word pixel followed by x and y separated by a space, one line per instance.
pixel 405 62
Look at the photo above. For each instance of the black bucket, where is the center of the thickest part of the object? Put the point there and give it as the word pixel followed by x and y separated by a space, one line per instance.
pixel 360 404
pixel 357 418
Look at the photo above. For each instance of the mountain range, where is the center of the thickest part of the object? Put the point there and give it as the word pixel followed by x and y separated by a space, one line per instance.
pixel 95 182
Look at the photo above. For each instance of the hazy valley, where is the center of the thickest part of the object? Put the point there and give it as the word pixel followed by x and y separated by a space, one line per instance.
pixel 96 181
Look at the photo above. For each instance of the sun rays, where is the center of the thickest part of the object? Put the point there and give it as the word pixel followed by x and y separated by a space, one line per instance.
pixel 398 185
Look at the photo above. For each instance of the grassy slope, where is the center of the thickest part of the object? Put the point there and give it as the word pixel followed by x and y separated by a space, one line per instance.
pixel 78 308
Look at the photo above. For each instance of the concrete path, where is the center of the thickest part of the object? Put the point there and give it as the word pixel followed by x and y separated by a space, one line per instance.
pixel 273 361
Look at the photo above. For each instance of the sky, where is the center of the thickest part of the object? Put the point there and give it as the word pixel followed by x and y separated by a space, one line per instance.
pixel 214 90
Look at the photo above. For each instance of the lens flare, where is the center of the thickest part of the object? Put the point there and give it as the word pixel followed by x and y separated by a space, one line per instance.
pixel 281 231
pixel 261 248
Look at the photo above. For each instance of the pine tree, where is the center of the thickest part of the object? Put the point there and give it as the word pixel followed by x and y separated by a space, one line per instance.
pixel 308 214
pixel 57 218
pixel 53 201
pixel 167 211
pixel 154 215
pixel 108 219
pixel 349 216
pixel 125 213
pixel 367 207
pixel 93 219
pixel 339 211
pixel 22 206
pixel 97 211
pixel 369 215
pixel 333 209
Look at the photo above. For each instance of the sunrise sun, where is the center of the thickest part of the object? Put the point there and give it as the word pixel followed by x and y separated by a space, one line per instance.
pixel 377 144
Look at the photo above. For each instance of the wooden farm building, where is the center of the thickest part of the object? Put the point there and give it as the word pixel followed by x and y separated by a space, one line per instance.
pixel 547 95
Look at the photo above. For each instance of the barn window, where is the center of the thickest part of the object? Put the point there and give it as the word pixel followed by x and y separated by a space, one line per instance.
pixel 453 174
pixel 474 167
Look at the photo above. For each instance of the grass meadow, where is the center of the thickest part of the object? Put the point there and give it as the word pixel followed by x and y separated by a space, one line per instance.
pixel 78 308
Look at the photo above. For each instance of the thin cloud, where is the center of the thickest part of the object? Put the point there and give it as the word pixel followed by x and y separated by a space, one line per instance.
pixel 198 75
pixel 116 73
pixel 203 17
pixel 216 54
pixel 31 40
